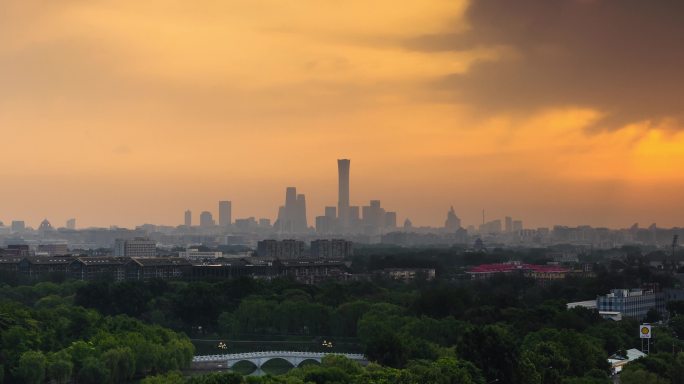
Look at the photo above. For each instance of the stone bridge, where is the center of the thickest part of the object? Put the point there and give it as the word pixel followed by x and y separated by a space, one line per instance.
pixel 227 361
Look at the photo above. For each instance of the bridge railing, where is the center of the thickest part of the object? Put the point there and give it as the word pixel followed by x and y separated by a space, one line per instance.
pixel 273 354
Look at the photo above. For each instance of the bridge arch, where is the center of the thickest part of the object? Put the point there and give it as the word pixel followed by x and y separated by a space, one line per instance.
pixel 244 367
pixel 308 361
pixel 260 358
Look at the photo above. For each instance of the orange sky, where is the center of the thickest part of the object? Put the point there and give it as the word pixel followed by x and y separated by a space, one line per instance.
pixel 129 112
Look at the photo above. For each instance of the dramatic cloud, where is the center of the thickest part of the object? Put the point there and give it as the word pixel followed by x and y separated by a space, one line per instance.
pixel 621 57
pixel 127 111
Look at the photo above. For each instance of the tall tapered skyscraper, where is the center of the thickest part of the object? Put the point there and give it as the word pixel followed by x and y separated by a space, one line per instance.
pixel 343 192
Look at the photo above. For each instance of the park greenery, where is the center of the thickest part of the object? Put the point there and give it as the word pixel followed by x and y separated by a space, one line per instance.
pixel 44 337
pixel 507 329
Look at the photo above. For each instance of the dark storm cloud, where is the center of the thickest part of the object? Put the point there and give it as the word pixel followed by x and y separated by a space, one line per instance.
pixel 623 57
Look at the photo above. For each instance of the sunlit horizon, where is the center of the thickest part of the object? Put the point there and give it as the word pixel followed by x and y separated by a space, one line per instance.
pixel 124 113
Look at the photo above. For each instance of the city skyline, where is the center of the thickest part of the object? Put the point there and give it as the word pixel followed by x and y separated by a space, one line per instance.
pixel 127 112
pixel 223 215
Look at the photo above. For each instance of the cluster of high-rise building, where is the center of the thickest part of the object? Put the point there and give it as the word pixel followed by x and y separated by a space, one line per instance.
pixel 292 215
pixel 495 227
pixel 206 218
pixel 349 219
pixel 344 218
pixel 371 223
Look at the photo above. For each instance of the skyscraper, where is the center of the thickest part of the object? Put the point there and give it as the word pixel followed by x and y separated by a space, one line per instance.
pixel 18 226
pixel 292 216
pixel 188 218
pixel 300 216
pixel 71 224
pixel 343 192
pixel 452 223
pixel 206 219
pixel 225 213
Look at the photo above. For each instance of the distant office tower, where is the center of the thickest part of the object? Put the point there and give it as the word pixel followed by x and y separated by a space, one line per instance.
pixel 55 249
pixel 285 249
pixel 333 249
pixel 354 215
pixel 491 227
pixel 343 192
pixel 71 224
pixel 452 223
pixel 188 218
pixel 18 226
pixel 225 213
pixel 138 247
pixel 300 215
pixel 322 224
pixel 246 225
pixel 390 220
pixel 517 226
pixel 508 224
pixel 206 219
pixel 292 216
pixel 373 215
pixel 327 223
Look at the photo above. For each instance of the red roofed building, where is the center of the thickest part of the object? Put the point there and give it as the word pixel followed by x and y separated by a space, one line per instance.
pixel 534 271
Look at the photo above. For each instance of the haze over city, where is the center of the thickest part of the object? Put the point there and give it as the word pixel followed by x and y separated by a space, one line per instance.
pixel 341 192
pixel 557 112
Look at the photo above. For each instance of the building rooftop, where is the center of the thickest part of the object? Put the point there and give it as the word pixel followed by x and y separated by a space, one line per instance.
pixel 10 259
pixel 103 260
pixel 305 262
pixel 160 261
pixel 511 267
pixel 48 260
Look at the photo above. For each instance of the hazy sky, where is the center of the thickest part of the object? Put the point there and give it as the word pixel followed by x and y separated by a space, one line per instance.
pixel 555 111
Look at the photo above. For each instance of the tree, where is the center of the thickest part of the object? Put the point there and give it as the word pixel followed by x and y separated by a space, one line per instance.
pixel 59 367
pixel 653 316
pixel 346 317
pixel 216 378
pixel 31 367
pixel 676 324
pixel 343 363
pixel 121 364
pixel 94 371
pixel 387 349
pixel 168 378
pixel 446 371
pixel 640 376
pixel 226 324
pixel 493 349
pixel 675 307
pixel 527 372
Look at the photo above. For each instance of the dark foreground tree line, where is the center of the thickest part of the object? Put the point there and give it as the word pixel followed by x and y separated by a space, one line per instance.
pixel 506 330
pixel 49 339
